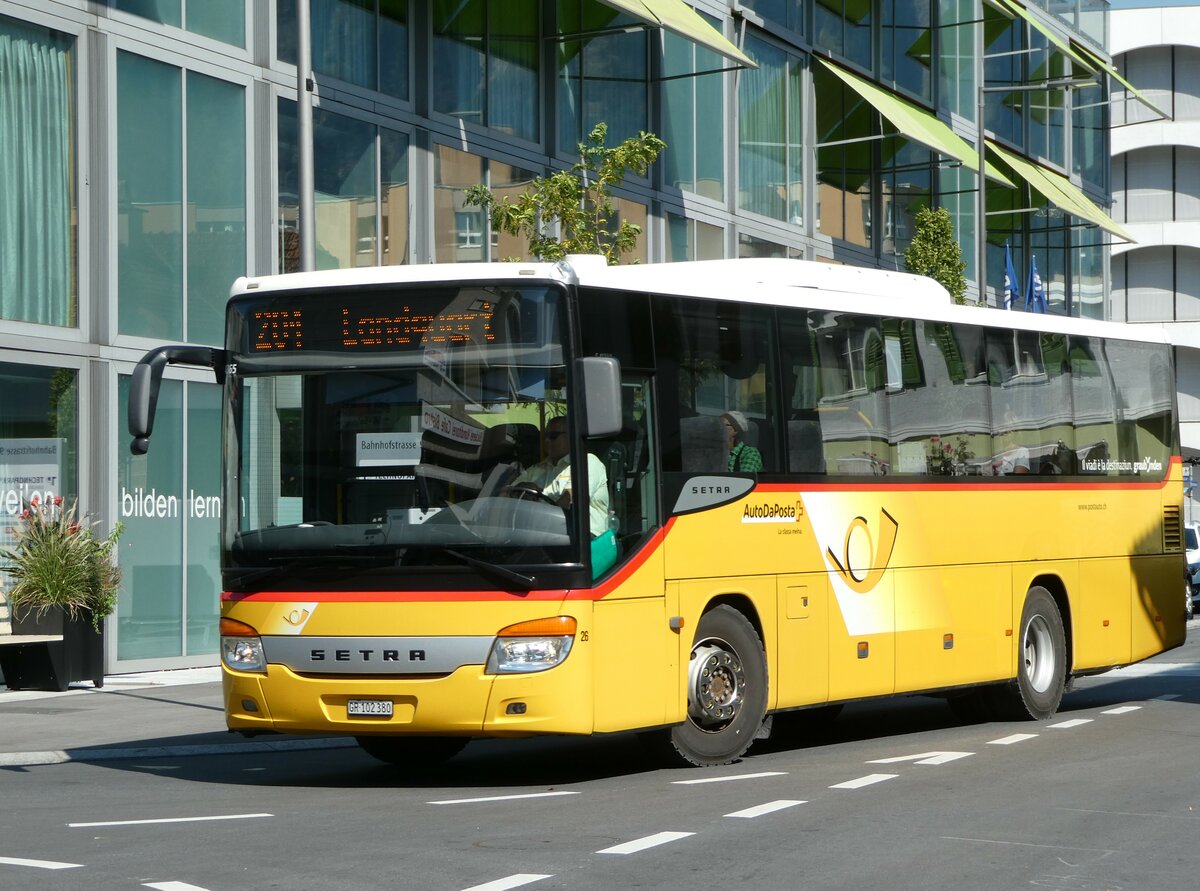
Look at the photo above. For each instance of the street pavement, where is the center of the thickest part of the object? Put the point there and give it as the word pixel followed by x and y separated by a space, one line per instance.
pixel 155 714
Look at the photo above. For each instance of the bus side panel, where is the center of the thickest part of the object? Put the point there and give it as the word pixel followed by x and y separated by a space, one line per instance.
pixel 802 644
pixel 636 679
pixel 1158 614
pixel 972 603
pixel 696 595
pixel 1101 608
pixel 862 664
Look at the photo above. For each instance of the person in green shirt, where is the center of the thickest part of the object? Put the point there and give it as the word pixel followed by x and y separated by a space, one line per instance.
pixel 743 457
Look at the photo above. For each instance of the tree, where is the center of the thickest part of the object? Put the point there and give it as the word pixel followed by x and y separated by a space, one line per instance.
pixel 934 252
pixel 579 200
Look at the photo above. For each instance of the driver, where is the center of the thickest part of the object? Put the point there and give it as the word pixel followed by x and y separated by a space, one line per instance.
pixel 552 476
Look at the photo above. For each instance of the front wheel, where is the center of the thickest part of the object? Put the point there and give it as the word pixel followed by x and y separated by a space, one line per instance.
pixel 727 690
pixel 412 751
pixel 1041 662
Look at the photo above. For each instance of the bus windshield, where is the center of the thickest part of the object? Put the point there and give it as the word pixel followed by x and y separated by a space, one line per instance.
pixel 388 431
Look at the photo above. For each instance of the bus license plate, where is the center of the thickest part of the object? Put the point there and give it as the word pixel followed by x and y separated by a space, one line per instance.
pixel 369 708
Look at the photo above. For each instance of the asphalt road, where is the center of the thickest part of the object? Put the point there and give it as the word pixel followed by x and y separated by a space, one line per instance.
pixel 894 795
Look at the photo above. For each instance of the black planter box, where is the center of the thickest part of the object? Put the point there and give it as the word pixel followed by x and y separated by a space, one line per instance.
pixel 52 664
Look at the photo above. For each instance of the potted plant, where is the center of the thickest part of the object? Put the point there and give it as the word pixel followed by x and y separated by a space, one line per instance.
pixel 62 584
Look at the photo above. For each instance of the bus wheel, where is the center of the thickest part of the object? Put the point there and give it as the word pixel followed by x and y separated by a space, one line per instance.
pixel 412 751
pixel 1041 662
pixel 727 690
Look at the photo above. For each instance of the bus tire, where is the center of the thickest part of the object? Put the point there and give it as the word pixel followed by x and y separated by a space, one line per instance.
pixel 412 751
pixel 1041 662
pixel 727 690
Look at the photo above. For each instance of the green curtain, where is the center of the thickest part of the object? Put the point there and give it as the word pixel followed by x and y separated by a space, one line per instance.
pixel 36 169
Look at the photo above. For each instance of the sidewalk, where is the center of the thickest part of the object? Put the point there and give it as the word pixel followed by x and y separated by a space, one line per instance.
pixel 151 715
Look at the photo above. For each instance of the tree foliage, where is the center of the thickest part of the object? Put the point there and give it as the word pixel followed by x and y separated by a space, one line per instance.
pixel 934 252
pixel 570 211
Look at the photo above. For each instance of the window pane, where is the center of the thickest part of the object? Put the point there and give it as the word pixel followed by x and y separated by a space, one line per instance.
pixel 458 230
pixel 908 45
pixel 165 12
pixel 150 605
pixel 769 156
pixel 203 516
pixel 37 200
pixel 149 198
pixel 394 196
pixel 602 79
pixel 393 38
pixel 216 202
pixel 692 110
pixel 343 40
pixel 288 219
pixel 458 45
pixel 223 20
pixel 344 175
pixel 512 65
pixel 38 439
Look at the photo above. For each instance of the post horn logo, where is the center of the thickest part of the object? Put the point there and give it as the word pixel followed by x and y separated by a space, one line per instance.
pixel 861 579
pixel 297 617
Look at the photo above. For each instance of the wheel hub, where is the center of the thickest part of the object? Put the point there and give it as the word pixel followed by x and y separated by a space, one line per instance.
pixel 717 684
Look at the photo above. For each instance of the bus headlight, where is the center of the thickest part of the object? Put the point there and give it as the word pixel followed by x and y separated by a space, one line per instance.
pixel 532 646
pixel 241 647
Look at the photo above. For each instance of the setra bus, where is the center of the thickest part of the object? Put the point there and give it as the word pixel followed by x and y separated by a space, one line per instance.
pixel 469 501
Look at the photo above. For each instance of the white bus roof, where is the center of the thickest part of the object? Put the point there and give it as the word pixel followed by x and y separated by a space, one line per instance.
pixel 766 281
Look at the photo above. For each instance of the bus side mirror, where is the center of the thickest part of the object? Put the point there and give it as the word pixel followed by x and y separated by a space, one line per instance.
pixel 601 376
pixel 147 378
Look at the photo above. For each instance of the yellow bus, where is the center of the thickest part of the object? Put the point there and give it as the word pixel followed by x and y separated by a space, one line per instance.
pixel 468 501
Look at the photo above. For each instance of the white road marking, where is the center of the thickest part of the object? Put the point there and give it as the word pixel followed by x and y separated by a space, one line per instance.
pixel 502 798
pixel 167 820
pixel 868 780
pixel 925 758
pixel 172 886
pixel 1015 738
pixel 740 776
pixel 1121 710
pixel 1074 722
pixel 769 808
pixel 641 844
pixel 1167 697
pixel 513 881
pixel 38 864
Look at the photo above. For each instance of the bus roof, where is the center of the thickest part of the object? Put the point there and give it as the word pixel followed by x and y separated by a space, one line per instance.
pixel 766 281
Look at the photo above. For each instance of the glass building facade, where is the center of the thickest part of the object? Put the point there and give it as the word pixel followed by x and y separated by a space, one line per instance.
pixel 149 155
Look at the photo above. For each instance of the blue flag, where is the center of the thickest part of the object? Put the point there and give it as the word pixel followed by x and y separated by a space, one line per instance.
pixel 1035 296
pixel 1010 278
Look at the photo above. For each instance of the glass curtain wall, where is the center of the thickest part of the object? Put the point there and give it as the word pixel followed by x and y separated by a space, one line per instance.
pixel 770 130
pixel 223 20
pixel 38 281
pixel 361 42
pixel 692 112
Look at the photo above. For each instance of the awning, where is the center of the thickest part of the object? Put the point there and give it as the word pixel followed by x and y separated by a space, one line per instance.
pixel 1112 72
pixel 1059 191
pixel 915 122
pixel 1059 40
pixel 679 18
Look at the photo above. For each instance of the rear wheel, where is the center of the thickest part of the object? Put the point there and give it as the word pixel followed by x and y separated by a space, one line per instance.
pixel 412 751
pixel 727 690
pixel 1041 662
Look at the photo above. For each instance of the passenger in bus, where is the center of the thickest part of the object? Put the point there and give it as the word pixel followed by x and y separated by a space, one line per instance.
pixel 551 477
pixel 743 457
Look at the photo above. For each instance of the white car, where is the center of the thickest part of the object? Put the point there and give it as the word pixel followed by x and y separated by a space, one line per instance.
pixel 1191 540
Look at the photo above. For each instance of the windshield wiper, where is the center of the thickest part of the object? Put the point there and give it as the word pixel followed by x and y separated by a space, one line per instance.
pixel 496 571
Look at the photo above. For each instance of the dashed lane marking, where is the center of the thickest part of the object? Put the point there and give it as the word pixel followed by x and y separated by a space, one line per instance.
pixel 649 841
pixel 1009 740
pixel 513 881
pixel 740 776
pixel 38 864
pixel 172 886
pixel 869 780
pixel 1121 710
pixel 1066 725
pixel 502 798
pixel 925 758
pixel 167 820
pixel 762 809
